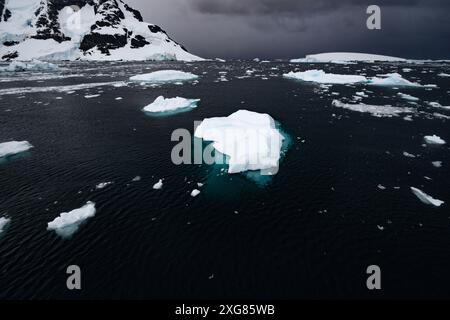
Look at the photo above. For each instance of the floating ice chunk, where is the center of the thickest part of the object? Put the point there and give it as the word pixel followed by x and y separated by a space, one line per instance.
pixel 434 139
pixel 164 76
pixel 407 97
pixel 119 98
pixel 34 65
pixel 163 105
pixel 13 147
pixel 341 57
pixel 437 164
pixel 426 198
pixel 319 76
pixel 443 75
pixel 381 187
pixel 158 185
pixel 250 140
pixel 68 222
pixel 3 222
pixel 377 111
pixel 438 105
pixel 103 185
pixel 195 193
pixel 90 96
pixel 392 80
pixel 136 179
pixel 408 155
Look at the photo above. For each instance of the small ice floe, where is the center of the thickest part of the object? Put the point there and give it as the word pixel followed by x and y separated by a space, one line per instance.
pixel 195 193
pixel 34 65
pixel 103 185
pixel 14 147
pixel 376 111
pixel 434 139
pixel 443 75
pixel 438 105
pixel 381 187
pixel 407 97
pixel 437 164
pixel 199 184
pixel 119 98
pixel 3 223
pixel 362 94
pixel 158 185
pixel 319 76
pixel 249 139
pixel 171 104
pixel 392 80
pixel 136 179
pixel 440 116
pixel 381 228
pixel 163 76
pixel 408 155
pixel 91 96
pixel 406 70
pixel 426 198
pixel 68 222
pixel 407 118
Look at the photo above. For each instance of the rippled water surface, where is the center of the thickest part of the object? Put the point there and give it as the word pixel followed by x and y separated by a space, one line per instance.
pixel 309 232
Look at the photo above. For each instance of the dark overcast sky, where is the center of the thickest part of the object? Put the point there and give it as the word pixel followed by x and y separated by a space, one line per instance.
pixel 294 28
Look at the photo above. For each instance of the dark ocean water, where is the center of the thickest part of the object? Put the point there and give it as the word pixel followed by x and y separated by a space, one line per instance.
pixel 310 232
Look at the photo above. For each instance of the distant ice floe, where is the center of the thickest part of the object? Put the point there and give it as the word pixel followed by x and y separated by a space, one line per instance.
pixel 103 185
pixel 437 164
pixel 377 111
pixel 434 139
pixel 14 147
pixel 425 198
pixel 164 76
pixel 67 89
pixel 443 75
pixel 3 223
pixel 438 105
pixel 158 185
pixel 68 222
pixel 91 96
pixel 345 57
pixel 250 140
pixel 319 76
pixel 392 80
pixel 407 97
pixel 34 65
pixel 171 104
pixel 408 155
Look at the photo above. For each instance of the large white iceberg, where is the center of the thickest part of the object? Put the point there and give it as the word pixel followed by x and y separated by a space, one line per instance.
pixel 377 111
pixel 13 147
pixel 171 104
pixel 340 57
pixel 164 76
pixel 34 65
pixel 249 139
pixel 68 222
pixel 434 139
pixel 319 76
pixel 425 198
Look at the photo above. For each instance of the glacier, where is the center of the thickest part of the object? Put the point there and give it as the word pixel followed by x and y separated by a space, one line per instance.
pixel 68 222
pixel 14 147
pixel 163 105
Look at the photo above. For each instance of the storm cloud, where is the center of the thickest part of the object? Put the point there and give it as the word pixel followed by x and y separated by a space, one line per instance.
pixel 293 28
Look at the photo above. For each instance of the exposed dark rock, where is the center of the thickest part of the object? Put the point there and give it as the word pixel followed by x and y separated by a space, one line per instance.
pixel 136 13
pixel 10 56
pixel 47 25
pixel 138 42
pixel 10 43
pixel 104 42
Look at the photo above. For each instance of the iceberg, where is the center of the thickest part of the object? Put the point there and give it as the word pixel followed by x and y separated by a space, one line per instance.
pixel 68 222
pixel 377 111
pixel 34 65
pixel 171 104
pixel 343 57
pixel 163 76
pixel 158 185
pixel 392 79
pixel 13 147
pixel 434 139
pixel 426 198
pixel 249 139
pixel 3 222
pixel 319 76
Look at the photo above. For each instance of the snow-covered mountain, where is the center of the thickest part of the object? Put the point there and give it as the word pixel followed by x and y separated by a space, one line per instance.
pixel 82 29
